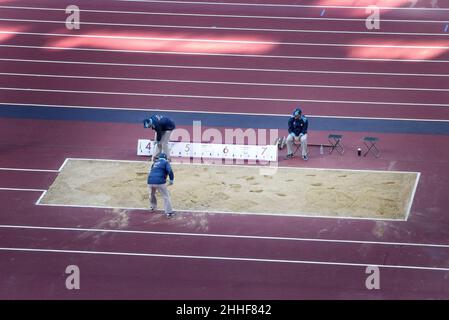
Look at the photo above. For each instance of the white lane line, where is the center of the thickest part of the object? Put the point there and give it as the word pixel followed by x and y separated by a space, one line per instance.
pixel 282 5
pixel 222 15
pixel 212 28
pixel 30 170
pixel 94 36
pixel 296 215
pixel 249 166
pixel 212 112
pixel 61 205
pixel 63 164
pixel 22 189
pixel 214 258
pixel 220 82
pixel 224 97
pixel 219 54
pixel 226 68
pixel 309 216
pixel 415 186
pixel 40 198
pixel 228 236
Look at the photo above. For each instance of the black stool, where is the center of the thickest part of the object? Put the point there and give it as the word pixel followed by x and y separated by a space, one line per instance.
pixel 335 141
pixel 370 143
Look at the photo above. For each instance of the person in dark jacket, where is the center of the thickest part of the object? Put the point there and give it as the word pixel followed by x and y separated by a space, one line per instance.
pixel 163 127
pixel 157 179
pixel 297 131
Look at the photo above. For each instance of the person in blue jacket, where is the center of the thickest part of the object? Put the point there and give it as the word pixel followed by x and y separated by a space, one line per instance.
pixel 297 131
pixel 157 179
pixel 163 127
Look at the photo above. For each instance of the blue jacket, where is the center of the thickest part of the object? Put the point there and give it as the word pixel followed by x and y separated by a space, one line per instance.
pixel 161 124
pixel 298 126
pixel 159 171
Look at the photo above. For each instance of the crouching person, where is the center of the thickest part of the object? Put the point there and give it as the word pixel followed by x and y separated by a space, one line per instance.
pixel 157 179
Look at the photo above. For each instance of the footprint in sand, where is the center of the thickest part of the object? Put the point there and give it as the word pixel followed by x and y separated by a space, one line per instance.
pixel 221 172
pixel 196 174
pixel 281 194
pixel 249 178
pixel 236 186
pixel 331 188
pixel 310 175
pixel 389 182
pixel 141 173
pixel 289 180
pixel 123 182
pixel 221 196
pixel 256 190
pixel 269 177
pixel 116 185
pixel 387 199
pixel 342 176
pixel 317 184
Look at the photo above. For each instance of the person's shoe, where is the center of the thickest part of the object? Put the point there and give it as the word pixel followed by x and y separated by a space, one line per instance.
pixel 305 157
pixel 170 215
pixel 289 156
pixel 152 209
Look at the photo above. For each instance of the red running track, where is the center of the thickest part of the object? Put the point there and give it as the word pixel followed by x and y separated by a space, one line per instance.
pixel 90 238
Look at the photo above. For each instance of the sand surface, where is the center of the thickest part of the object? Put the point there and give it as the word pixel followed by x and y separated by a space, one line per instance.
pixel 211 188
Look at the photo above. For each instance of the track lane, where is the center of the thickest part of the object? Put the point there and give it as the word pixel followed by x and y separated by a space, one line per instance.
pixel 319 108
pixel 255 62
pixel 271 49
pixel 159 278
pixel 263 76
pixel 222 91
pixel 267 9
pixel 26 180
pixel 294 28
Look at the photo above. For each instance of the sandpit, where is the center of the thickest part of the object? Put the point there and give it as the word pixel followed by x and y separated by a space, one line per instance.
pixel 239 189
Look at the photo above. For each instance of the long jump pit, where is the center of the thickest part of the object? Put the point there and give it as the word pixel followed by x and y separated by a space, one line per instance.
pixel 383 195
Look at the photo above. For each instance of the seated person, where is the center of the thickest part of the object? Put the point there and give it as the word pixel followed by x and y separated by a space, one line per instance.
pixel 297 130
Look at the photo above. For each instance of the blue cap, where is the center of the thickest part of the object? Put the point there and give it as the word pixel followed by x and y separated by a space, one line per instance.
pixel 297 112
pixel 163 156
pixel 147 123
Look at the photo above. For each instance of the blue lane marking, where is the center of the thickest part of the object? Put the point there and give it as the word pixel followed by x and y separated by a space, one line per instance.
pixel 224 120
pixel 322 12
pixel 446 27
